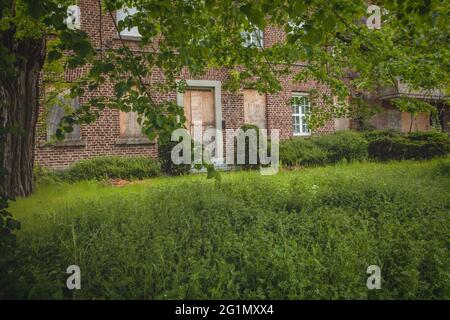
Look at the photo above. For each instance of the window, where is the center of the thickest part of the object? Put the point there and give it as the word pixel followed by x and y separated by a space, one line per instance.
pixel 294 27
pixel 300 114
pixel 129 126
pixel 121 15
pixel 57 113
pixel 255 108
pixel 73 20
pixel 253 39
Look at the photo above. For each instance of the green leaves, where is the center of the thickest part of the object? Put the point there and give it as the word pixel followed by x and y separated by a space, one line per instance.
pixel 36 8
pixel 413 105
pixel 12 224
pixel 254 14
pixel 195 36
pixel 54 55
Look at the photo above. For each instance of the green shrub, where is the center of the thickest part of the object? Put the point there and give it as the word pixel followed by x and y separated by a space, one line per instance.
pixel 167 165
pixel 301 152
pixel 43 175
pixel 432 144
pixel 343 145
pixel 113 167
pixel 247 165
pixel 391 148
pixel 416 145
pixel 372 135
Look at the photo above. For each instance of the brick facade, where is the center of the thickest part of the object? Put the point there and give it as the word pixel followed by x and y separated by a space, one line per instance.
pixel 100 138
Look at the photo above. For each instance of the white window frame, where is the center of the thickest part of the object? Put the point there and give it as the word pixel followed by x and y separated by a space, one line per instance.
pixel 300 115
pixel 73 20
pixel 121 15
pixel 295 26
pixel 250 38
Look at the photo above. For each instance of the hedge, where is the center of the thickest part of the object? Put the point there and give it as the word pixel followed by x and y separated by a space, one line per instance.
pixel 379 145
pixel 105 167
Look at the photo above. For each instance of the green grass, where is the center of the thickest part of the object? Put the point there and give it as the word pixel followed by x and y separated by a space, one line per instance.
pixel 299 234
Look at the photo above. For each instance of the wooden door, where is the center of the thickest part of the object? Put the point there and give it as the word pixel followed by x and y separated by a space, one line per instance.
pixel 199 109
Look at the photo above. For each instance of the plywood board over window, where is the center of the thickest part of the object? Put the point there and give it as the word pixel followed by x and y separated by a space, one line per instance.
pixel 420 123
pixel 57 113
pixel 394 119
pixel 199 109
pixel 255 108
pixel 129 126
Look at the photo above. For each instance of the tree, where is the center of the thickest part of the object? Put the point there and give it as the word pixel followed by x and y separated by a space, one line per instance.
pixel 330 37
pixel 24 29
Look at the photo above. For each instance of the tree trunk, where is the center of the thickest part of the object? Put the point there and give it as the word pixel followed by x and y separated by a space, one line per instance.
pixel 20 106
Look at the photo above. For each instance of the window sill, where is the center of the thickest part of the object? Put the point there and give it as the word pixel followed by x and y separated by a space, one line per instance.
pixel 69 143
pixel 133 141
pixel 128 38
pixel 302 134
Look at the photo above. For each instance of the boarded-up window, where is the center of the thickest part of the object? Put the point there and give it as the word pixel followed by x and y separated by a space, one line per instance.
pixel 57 113
pixel 199 108
pixel 341 123
pixel 420 123
pixel 394 119
pixel 255 108
pixel 129 126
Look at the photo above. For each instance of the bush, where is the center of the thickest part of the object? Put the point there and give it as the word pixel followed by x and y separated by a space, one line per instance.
pixel 343 145
pixel 390 148
pixel 113 167
pixel 43 175
pixel 376 134
pixel 167 165
pixel 416 145
pixel 432 144
pixel 301 152
pixel 382 145
pixel 247 165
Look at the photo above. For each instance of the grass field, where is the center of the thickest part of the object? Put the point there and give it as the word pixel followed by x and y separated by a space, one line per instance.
pixel 296 235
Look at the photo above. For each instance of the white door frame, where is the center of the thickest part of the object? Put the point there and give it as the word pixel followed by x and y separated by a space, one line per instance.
pixel 217 88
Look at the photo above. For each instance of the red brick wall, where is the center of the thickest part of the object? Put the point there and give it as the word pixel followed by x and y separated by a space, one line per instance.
pixel 100 137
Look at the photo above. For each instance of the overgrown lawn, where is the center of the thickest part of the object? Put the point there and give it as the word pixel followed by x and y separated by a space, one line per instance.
pixel 305 234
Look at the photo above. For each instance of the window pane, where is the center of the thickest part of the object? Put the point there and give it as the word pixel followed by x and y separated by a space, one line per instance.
pixel 300 112
pixel 121 15
pixel 254 38
pixel 57 113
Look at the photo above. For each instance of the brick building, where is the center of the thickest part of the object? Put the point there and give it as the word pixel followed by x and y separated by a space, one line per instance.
pixel 117 133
